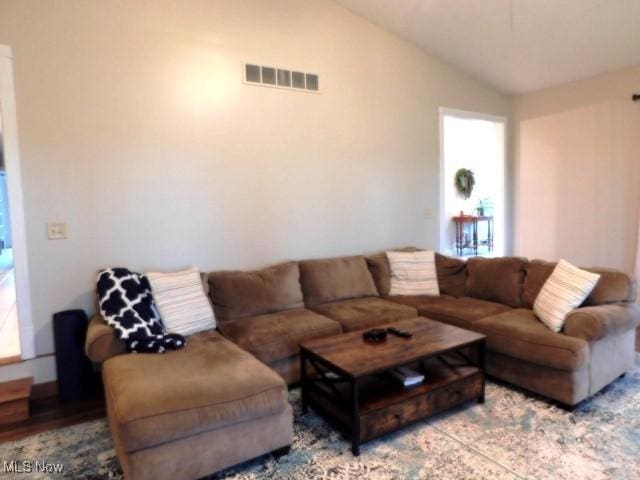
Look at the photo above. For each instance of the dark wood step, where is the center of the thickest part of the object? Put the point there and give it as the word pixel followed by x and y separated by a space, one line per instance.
pixel 14 400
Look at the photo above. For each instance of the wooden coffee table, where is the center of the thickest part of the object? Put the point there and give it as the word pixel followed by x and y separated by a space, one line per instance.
pixel 345 378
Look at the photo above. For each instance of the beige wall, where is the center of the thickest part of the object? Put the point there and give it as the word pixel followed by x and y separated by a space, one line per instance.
pixel 577 171
pixel 135 129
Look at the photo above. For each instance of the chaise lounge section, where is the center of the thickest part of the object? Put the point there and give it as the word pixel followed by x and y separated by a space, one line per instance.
pixel 190 412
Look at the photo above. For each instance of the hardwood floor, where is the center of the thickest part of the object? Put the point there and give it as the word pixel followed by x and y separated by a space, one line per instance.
pixel 14 400
pixel 49 413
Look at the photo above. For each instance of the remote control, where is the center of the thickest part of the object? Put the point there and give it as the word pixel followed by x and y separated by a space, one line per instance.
pixel 399 333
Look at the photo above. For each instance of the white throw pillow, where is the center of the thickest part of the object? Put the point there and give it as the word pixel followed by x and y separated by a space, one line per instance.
pixel 566 289
pixel 413 273
pixel 183 305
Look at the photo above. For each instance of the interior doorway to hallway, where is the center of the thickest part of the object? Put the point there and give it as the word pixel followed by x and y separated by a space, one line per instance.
pixel 472 222
pixel 9 326
pixel 17 339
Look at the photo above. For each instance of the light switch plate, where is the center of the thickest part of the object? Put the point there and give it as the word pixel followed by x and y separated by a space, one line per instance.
pixel 56 231
pixel 428 214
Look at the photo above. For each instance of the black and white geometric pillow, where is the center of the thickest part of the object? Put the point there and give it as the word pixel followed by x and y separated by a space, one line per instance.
pixel 126 303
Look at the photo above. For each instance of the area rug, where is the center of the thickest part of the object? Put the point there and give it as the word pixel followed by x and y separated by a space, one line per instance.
pixel 514 435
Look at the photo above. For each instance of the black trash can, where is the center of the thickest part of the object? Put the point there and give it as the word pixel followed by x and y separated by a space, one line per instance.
pixel 76 380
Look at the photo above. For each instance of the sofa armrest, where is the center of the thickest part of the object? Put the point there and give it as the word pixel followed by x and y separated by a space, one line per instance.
pixel 593 323
pixel 102 343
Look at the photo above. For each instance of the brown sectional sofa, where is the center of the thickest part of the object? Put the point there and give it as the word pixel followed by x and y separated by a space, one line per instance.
pixel 595 347
pixel 264 313
pixel 191 412
pixel 343 289
pixel 270 312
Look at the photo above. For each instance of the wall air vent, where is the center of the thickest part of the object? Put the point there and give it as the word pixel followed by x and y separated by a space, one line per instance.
pixel 280 78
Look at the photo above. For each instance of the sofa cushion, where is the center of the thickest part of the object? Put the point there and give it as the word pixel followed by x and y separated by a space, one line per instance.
pixel 614 286
pixel 452 275
pixel 496 279
pixel 413 273
pixel 182 302
pixel 599 321
pixel 566 289
pixel 275 336
pixel 209 384
pixel 461 312
pixel 243 294
pixel 363 313
pixel 380 269
pixel 333 279
pixel 519 334
pixel 536 273
pixel 418 301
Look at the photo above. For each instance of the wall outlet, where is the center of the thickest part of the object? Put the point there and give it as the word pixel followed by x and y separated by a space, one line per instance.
pixel 428 214
pixel 56 231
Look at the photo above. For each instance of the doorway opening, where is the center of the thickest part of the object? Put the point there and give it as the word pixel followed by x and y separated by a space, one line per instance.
pixel 9 326
pixel 17 340
pixel 472 221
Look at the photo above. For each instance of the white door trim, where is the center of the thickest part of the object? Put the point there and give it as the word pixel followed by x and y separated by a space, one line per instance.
pixel 452 112
pixel 16 206
pixel 475 115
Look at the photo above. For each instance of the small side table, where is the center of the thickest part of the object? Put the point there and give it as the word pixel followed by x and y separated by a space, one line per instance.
pixel 472 221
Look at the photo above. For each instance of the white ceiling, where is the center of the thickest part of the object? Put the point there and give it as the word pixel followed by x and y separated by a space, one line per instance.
pixel 516 45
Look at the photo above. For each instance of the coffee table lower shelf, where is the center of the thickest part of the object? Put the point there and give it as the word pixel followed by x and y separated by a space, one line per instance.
pixel 368 407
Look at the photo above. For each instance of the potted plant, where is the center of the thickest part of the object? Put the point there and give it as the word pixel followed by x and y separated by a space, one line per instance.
pixel 484 206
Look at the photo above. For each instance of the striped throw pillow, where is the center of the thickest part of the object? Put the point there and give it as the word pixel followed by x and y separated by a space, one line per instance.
pixel 183 305
pixel 566 289
pixel 413 273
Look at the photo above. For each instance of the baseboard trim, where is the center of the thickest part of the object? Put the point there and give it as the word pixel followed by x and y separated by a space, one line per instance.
pixel 44 390
pixel 18 359
pixel 10 360
pixel 49 390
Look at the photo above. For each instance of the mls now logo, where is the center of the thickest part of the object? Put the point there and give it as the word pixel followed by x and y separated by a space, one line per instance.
pixel 32 466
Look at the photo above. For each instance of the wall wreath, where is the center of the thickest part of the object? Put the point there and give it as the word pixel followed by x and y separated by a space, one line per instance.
pixel 465 182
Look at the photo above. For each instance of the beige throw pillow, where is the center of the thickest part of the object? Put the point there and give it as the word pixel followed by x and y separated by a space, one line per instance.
pixel 566 289
pixel 183 305
pixel 413 273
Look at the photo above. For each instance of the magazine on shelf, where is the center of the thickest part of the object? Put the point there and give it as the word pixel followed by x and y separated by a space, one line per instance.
pixel 407 377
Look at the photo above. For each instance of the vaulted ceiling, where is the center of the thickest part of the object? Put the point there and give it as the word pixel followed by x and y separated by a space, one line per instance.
pixel 516 45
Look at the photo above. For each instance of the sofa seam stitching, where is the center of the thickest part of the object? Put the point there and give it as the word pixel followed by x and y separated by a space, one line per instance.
pixel 290 338
pixel 539 344
pixel 203 406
